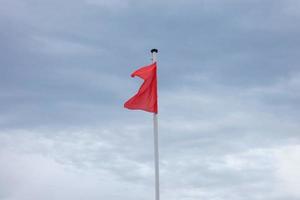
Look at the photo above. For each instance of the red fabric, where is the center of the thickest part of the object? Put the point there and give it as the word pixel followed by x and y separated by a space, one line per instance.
pixel 146 97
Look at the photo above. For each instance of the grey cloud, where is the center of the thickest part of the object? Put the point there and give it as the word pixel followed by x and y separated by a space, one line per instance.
pixel 228 81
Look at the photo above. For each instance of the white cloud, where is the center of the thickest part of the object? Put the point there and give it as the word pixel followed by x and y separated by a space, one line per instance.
pixel 31 176
pixel 70 165
pixel 287 173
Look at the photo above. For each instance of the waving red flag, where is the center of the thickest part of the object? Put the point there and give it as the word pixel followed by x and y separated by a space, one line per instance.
pixel 146 98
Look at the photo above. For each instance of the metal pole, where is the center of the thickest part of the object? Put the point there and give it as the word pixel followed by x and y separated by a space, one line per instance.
pixel 155 131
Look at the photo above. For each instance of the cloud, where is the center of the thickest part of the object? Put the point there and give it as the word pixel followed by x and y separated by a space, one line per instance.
pixel 61 47
pixel 114 4
pixel 26 176
pixel 228 101
pixel 41 166
pixel 287 172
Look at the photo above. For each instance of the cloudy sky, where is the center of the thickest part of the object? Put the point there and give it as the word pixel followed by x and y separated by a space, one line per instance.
pixel 229 81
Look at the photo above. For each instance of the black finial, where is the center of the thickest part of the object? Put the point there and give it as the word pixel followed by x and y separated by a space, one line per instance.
pixel 154 50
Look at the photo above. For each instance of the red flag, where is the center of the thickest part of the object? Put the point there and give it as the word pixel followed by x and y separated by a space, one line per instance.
pixel 146 98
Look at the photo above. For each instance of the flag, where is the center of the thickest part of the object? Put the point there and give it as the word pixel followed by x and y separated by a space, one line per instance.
pixel 146 98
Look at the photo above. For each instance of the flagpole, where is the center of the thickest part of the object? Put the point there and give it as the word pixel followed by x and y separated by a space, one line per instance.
pixel 155 131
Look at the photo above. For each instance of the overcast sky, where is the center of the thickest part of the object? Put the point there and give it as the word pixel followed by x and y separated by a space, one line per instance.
pixel 229 81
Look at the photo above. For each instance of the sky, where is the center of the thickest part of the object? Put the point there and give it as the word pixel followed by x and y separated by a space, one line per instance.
pixel 229 82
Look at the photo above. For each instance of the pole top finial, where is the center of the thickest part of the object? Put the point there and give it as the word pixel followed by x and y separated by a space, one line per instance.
pixel 154 50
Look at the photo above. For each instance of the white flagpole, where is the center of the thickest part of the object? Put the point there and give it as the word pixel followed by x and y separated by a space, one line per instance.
pixel 155 131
